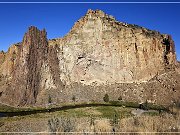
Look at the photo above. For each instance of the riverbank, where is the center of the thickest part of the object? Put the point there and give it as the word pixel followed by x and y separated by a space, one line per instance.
pixel 6 111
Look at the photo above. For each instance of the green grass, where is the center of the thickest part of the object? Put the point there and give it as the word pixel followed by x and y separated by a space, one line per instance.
pixel 78 112
pixel 111 111
pixel 101 111
pixel 125 103
pixel 96 112
pixel 108 109
pixel 5 108
pixel 151 113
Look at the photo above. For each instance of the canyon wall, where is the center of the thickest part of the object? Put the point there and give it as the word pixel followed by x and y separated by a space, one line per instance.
pixel 99 55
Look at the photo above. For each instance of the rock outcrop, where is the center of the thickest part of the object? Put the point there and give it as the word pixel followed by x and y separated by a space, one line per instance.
pixel 99 55
pixel 23 67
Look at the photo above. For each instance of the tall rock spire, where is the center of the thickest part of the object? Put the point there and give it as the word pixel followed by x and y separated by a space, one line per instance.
pixel 26 77
pixel 38 48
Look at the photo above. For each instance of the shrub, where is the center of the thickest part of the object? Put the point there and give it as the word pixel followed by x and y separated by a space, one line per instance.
pixel 119 98
pixel 53 124
pixel 115 119
pixel 61 124
pixel 49 99
pixel 73 98
pixel 145 105
pixel 106 98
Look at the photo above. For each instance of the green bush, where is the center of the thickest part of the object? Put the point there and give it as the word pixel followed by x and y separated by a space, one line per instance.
pixel 151 106
pixel 106 98
pixel 145 105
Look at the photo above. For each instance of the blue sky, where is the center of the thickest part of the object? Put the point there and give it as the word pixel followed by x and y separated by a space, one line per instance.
pixel 58 19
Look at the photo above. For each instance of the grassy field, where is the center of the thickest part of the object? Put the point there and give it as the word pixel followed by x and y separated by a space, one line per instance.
pixel 98 112
pixel 92 119
pixel 5 108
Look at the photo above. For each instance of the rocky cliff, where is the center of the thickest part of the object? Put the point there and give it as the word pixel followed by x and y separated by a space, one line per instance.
pixel 99 55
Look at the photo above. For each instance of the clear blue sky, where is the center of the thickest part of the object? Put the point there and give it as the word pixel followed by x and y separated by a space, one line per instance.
pixel 58 19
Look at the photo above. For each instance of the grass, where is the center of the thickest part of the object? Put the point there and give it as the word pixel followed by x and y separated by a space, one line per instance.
pixel 117 113
pixel 111 111
pixel 96 112
pixel 5 108
pixel 154 113
pixel 78 112
pixel 146 123
pixel 125 103
pixel 108 110
pixel 100 111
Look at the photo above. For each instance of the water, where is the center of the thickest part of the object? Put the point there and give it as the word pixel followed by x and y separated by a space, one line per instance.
pixel 2 115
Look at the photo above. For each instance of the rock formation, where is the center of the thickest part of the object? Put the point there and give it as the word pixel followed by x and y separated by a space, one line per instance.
pixel 99 55
pixel 24 66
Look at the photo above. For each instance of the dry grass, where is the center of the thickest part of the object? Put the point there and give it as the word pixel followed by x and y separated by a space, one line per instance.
pixel 103 125
pixel 163 123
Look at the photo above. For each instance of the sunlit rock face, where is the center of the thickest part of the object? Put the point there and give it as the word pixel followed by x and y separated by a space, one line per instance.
pixel 99 55
pixel 100 49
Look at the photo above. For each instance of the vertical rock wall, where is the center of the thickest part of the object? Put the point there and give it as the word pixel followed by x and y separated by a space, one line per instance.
pixel 100 49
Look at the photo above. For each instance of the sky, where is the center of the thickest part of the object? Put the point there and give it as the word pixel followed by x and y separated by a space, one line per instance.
pixel 58 19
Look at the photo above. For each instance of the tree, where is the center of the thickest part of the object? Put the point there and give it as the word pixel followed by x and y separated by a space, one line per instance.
pixel 119 98
pixel 49 99
pixel 145 105
pixel 73 98
pixel 106 98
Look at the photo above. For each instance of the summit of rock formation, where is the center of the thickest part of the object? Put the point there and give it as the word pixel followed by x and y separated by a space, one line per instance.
pixel 99 55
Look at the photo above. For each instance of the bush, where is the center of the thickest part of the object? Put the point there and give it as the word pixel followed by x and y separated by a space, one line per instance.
pixel 49 99
pixel 119 98
pixel 115 119
pixel 61 124
pixel 145 106
pixel 73 98
pixel 106 98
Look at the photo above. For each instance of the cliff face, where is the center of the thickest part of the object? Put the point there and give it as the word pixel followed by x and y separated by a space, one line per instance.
pixel 98 48
pixel 99 55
